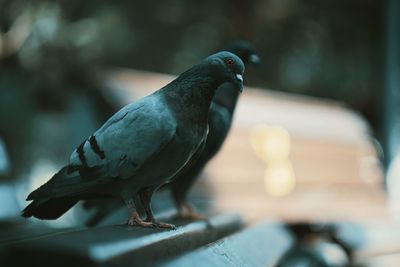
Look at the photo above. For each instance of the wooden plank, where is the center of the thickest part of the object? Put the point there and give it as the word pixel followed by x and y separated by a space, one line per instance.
pixel 260 245
pixel 116 244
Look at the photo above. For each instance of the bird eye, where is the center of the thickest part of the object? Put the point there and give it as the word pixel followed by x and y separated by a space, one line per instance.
pixel 229 62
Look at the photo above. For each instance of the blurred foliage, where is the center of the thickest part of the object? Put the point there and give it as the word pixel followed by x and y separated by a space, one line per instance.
pixel 324 48
pixel 50 51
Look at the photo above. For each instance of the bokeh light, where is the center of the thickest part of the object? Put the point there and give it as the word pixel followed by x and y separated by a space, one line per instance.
pixel 272 145
pixel 279 179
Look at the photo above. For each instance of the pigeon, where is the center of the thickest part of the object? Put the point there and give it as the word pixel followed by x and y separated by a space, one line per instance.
pixel 142 146
pixel 220 120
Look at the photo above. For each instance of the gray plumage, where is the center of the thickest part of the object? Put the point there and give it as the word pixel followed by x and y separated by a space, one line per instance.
pixel 142 146
pixel 220 120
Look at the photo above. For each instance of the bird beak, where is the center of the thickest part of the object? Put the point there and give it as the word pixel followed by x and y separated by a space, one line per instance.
pixel 239 77
pixel 254 59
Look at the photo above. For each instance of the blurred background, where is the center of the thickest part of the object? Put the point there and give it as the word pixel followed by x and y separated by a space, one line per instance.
pixel 317 126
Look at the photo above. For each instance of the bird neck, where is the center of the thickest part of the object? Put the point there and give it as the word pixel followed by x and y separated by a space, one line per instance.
pixel 192 92
pixel 227 96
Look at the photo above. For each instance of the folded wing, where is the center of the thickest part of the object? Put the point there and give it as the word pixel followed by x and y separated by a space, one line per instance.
pixel 117 150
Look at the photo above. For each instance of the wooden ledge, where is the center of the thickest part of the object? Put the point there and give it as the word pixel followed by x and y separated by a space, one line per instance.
pixel 260 245
pixel 112 245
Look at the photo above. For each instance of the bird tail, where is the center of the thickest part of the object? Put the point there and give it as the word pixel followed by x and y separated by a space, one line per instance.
pixel 49 209
pixel 60 193
pixel 66 183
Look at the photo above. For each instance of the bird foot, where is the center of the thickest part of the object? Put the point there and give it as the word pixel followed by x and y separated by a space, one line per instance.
pixel 187 212
pixel 135 221
pixel 159 224
pixel 164 225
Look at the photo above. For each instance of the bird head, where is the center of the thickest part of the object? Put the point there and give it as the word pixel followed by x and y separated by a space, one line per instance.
pixel 228 67
pixel 245 51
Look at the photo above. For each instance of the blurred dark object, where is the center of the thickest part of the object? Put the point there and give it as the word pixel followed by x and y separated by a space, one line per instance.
pixel 50 95
pixel 308 45
pixel 8 199
pixel 316 245
pixel 390 134
pixel 5 164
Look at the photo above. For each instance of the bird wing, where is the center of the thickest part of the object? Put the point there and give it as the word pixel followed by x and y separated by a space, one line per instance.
pixel 118 149
pixel 128 139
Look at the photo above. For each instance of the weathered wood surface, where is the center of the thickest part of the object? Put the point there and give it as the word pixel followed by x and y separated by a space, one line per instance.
pixel 113 245
pixel 260 245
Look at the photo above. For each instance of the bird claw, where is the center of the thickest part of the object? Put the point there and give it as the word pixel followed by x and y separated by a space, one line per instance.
pixel 164 225
pixel 139 223
pixel 133 221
